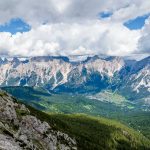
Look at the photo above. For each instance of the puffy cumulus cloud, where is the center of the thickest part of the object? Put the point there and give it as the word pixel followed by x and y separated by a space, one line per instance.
pixel 134 9
pixel 36 12
pixel 144 41
pixel 73 27
pixel 81 9
pixel 92 37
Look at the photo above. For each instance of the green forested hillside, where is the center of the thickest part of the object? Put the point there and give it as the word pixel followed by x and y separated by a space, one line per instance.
pixel 65 103
pixel 140 121
pixel 70 104
pixel 95 133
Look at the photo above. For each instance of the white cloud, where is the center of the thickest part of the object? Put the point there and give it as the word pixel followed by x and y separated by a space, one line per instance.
pixel 36 12
pixel 144 41
pixel 134 9
pixel 73 27
pixel 92 37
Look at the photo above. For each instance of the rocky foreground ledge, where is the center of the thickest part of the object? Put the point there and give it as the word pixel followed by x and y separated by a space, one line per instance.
pixel 19 130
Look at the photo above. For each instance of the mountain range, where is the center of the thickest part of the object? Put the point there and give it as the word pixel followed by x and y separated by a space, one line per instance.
pixel 55 96
pixel 92 74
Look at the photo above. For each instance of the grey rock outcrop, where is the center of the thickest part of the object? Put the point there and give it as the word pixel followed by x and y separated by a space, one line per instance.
pixel 19 130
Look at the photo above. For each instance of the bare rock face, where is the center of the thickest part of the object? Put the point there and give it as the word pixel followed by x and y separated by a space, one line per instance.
pixel 19 130
pixel 54 71
pixel 96 73
pixel 8 143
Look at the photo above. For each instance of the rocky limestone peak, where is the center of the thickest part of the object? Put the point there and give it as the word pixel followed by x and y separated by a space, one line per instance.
pixel 48 58
pixel 15 62
pixel 15 59
pixel 3 61
pixel 51 72
pixel 93 58
pixel 20 130
pixel 141 64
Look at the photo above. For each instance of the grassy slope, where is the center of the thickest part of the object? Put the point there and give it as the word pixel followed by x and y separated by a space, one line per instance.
pixel 44 101
pixel 95 133
pixel 64 103
pixel 139 121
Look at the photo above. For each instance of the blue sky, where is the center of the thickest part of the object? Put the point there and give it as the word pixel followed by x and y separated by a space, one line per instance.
pixel 18 25
pixel 14 26
pixel 133 24
pixel 105 14
pixel 136 23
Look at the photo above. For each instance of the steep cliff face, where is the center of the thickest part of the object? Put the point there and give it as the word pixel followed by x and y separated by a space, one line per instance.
pixel 137 82
pixel 19 130
pixel 91 75
pixel 44 71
